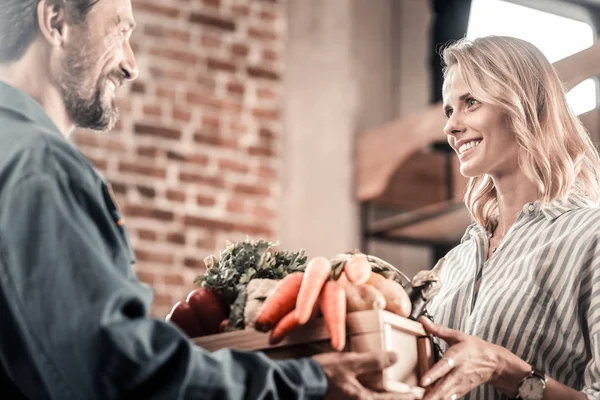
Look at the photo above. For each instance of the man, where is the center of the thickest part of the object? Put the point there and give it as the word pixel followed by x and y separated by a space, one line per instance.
pixel 74 318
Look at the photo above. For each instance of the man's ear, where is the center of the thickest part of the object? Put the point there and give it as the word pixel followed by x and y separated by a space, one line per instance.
pixel 53 21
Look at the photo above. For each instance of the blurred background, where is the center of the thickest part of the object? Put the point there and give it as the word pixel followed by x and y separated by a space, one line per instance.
pixel 297 121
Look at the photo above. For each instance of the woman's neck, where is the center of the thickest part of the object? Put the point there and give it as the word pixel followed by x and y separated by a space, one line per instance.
pixel 513 192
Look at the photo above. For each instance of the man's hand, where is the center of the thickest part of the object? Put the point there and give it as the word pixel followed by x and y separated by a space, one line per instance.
pixel 342 370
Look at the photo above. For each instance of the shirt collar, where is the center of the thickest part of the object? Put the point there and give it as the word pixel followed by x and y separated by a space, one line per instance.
pixel 558 207
pixel 19 102
pixel 550 211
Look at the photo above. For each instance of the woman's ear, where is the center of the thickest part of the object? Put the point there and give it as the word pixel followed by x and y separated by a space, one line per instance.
pixel 52 21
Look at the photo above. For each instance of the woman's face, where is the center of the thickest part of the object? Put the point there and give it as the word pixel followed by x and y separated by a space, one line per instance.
pixel 477 132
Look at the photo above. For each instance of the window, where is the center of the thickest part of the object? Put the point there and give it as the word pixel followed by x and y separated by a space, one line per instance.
pixel 556 35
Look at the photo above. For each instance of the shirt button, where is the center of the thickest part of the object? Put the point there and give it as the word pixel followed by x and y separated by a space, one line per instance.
pixel 531 208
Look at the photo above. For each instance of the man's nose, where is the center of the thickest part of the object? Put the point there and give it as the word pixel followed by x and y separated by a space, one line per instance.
pixel 129 64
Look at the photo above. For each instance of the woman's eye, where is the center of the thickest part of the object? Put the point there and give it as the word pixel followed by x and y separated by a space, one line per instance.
pixel 448 113
pixel 472 102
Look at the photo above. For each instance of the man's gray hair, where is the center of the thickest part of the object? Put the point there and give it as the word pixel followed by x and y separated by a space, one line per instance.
pixel 19 26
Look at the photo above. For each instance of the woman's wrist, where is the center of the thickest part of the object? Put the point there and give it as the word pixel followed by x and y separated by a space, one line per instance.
pixel 510 372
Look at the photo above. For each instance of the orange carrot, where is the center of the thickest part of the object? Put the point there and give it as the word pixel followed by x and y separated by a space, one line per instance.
pixel 358 269
pixel 283 327
pixel 315 275
pixel 280 302
pixel 333 306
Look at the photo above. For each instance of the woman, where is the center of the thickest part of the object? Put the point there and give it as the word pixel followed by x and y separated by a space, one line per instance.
pixel 519 307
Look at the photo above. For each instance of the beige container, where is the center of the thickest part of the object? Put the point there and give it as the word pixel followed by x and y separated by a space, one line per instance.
pixel 366 330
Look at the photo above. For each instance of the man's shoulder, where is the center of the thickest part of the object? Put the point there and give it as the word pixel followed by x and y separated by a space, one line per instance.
pixel 31 149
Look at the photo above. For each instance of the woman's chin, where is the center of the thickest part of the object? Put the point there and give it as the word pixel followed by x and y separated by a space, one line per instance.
pixel 471 170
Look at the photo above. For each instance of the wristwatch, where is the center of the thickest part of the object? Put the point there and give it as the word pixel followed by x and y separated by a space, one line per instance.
pixel 533 386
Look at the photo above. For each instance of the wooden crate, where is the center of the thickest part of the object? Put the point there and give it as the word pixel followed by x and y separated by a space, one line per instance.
pixel 367 330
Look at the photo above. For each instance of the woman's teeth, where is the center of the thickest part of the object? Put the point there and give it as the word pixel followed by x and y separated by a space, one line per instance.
pixel 468 145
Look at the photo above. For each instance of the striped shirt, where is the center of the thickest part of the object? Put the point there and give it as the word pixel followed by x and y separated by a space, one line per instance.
pixel 539 295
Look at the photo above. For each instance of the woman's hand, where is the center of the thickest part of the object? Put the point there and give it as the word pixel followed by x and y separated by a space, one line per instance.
pixel 468 363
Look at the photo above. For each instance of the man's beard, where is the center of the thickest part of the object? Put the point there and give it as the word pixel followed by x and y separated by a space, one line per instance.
pixel 85 110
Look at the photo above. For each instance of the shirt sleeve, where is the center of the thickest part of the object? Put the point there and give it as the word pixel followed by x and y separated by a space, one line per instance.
pixel 75 320
pixel 589 302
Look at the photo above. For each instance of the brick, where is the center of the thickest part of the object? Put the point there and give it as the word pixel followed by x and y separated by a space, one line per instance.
pixel 138 87
pixel 264 212
pixel 133 210
pixel 255 230
pixel 212 21
pixel 266 114
pixel 207 243
pixel 220 65
pixel 147 151
pixel 266 133
pixel 194 263
pixel 235 205
pixel 209 139
pixel 198 159
pixel 147 277
pixel 261 34
pixel 119 188
pixel 202 200
pixel 179 114
pixel 152 110
pixel 157 131
pixel 155 31
pixel 267 172
pixel 251 189
pixel 261 151
pixel 156 172
pixel 164 11
pixel 167 94
pixel 207 223
pixel 241 10
pixel 232 165
pixel 176 238
pixel 210 41
pixel 267 15
pixel 154 257
pixel 210 122
pixel 176 156
pixel 163 299
pixel 212 3
pixel 171 55
pixel 265 94
pixel 99 163
pixel 262 73
pixel 236 88
pixel 146 191
pixel 176 195
pixel 270 55
pixel 213 181
pixel 171 74
pixel 239 49
pixel 174 280
pixel 146 234
pixel 180 36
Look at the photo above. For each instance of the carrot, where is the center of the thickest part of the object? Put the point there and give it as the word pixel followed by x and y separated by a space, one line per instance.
pixel 333 306
pixel 280 302
pixel 283 327
pixel 315 275
pixel 358 268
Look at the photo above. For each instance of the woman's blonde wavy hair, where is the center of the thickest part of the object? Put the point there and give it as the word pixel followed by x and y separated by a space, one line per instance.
pixel 555 152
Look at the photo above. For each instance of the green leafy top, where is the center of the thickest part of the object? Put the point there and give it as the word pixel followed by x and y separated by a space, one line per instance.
pixel 242 261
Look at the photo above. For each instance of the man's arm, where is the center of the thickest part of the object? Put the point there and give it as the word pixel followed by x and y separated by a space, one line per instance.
pixel 75 324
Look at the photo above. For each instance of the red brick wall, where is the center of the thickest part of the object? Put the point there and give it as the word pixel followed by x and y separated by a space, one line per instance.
pixel 194 159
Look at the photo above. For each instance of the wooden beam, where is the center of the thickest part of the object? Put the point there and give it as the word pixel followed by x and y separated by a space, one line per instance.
pixel 409 218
